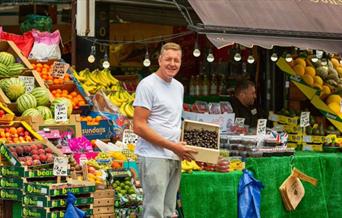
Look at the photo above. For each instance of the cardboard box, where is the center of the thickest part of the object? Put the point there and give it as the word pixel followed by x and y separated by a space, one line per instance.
pixel 13 171
pixel 11 194
pixel 11 47
pixel 11 182
pixel 104 130
pixel 73 125
pixel 294 121
pixel 204 154
pixel 47 201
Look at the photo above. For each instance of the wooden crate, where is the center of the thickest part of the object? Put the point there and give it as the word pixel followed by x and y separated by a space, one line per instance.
pixel 204 154
pixel 103 210
pixel 106 193
pixel 109 215
pixel 11 47
pixel 99 202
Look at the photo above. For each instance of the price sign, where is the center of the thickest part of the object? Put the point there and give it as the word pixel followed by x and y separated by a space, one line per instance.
pixel 59 69
pixel 60 166
pixel 129 137
pixel 28 81
pixel 304 119
pixel 61 112
pixel 261 127
pixel 239 121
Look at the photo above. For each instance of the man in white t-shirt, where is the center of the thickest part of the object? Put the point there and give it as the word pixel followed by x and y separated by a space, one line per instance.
pixel 157 120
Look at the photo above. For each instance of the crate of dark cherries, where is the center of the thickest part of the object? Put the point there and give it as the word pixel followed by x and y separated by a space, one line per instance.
pixel 204 138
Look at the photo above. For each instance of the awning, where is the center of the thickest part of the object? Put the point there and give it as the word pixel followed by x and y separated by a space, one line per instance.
pixel 315 24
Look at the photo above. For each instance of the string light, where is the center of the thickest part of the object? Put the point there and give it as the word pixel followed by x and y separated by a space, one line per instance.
pixel 250 58
pixel 91 58
pixel 237 57
pixel 105 63
pixel 288 58
pixel 210 57
pixel 196 51
pixel 147 61
pixel 274 57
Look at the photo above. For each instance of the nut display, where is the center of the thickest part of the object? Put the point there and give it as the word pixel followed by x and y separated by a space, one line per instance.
pixel 201 138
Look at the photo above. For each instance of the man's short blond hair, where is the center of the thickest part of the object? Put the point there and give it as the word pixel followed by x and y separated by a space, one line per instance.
pixel 170 45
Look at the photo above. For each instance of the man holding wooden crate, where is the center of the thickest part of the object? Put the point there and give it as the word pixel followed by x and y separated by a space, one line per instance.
pixel 157 120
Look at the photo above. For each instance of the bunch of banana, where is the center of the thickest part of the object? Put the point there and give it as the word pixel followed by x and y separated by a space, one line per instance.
pixel 124 101
pixel 189 166
pixel 97 79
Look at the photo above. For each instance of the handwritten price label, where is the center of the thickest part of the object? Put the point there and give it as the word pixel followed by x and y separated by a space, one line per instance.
pixel 61 113
pixel 239 121
pixel 129 137
pixel 59 69
pixel 261 126
pixel 60 166
pixel 304 119
pixel 28 81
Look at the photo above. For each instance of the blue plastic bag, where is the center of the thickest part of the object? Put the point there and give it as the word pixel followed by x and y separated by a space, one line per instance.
pixel 72 211
pixel 249 196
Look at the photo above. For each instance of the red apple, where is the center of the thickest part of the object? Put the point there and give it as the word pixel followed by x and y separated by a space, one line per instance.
pixel 35 157
pixel 29 163
pixel 41 151
pixel 27 149
pixel 48 150
pixel 34 152
pixel 22 159
pixel 42 158
pixel 40 146
pixel 19 150
pixel 34 147
pixel 49 160
pixel 28 158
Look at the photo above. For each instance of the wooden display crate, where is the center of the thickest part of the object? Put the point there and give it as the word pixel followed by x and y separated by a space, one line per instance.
pixel 11 47
pixel 204 154
pixel 110 215
pixel 104 210
pixel 106 193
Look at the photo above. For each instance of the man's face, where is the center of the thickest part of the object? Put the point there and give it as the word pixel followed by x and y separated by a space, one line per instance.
pixel 249 96
pixel 169 63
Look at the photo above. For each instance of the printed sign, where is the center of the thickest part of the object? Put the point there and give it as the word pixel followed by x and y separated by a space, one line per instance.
pixel 28 81
pixel 261 127
pixel 59 69
pixel 304 119
pixel 239 121
pixel 129 137
pixel 60 166
pixel 61 112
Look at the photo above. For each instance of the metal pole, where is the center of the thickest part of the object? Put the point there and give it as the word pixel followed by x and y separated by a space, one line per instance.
pixel 73 32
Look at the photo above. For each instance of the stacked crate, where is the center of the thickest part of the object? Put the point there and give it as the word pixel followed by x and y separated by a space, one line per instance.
pixel 104 203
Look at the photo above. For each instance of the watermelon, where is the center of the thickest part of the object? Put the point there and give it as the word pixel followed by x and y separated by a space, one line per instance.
pixel 3 70
pixel 15 69
pixel 61 101
pixel 26 101
pixel 14 88
pixel 42 95
pixel 45 112
pixel 6 58
pixel 31 112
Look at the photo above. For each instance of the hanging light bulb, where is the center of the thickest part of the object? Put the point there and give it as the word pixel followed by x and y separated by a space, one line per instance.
pixel 91 58
pixel 196 51
pixel 237 57
pixel 250 59
pixel 210 57
pixel 288 58
pixel 147 61
pixel 274 57
pixel 105 63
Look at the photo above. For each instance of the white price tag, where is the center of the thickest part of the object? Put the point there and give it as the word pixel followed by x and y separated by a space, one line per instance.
pixel 60 166
pixel 59 69
pixel 61 112
pixel 261 127
pixel 304 119
pixel 239 121
pixel 307 138
pixel 129 137
pixel 28 81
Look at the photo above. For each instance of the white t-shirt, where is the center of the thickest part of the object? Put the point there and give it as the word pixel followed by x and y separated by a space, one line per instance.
pixel 165 101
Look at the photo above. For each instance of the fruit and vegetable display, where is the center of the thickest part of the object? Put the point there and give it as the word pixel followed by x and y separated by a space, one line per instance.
pixel 45 72
pixel 77 100
pixel 201 137
pixel 92 120
pixel 8 65
pixel 12 134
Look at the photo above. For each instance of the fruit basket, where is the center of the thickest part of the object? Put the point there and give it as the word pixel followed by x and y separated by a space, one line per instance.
pixel 203 138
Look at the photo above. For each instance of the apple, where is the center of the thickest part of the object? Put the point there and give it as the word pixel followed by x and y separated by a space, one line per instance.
pixel 27 149
pixel 28 158
pixel 40 146
pixel 34 147
pixel 19 150
pixel 42 158
pixel 41 151
pixel 48 150
pixel 49 159
pixel 29 162
pixel 34 152
pixel 35 157
pixel 36 162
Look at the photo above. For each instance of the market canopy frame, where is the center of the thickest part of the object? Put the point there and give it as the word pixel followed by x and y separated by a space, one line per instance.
pixel 306 24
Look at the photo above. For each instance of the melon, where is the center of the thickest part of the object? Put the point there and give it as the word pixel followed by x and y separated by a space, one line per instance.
pixel 3 70
pixel 62 101
pixel 15 69
pixel 31 112
pixel 26 101
pixel 42 95
pixel 14 88
pixel 6 58
pixel 45 112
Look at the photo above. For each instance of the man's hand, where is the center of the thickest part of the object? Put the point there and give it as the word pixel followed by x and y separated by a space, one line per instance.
pixel 183 152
